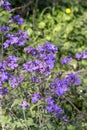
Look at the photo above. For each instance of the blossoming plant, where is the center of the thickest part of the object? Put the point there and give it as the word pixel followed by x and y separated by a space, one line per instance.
pixel 32 95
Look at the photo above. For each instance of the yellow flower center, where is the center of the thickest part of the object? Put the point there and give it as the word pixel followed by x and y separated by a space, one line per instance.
pixel 68 10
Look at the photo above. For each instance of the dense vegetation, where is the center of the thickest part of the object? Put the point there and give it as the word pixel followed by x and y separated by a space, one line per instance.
pixel 43 63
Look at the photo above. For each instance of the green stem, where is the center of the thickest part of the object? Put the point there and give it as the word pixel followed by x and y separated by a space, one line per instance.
pixel 23 109
pixel 44 10
pixel 1 97
pixel 25 118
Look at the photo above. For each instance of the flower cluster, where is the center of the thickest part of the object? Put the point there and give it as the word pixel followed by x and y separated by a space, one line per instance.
pixel 72 79
pixel 3 91
pixel 65 60
pixel 4 76
pixel 31 50
pixel 35 97
pixel 17 19
pixel 19 39
pixel 53 108
pixel 2 66
pixel 45 59
pixel 82 55
pixel 10 62
pixel 15 81
pixel 6 5
pixel 4 28
pixel 59 87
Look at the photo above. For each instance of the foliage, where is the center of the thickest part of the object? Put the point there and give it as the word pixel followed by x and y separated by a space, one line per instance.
pixel 66 30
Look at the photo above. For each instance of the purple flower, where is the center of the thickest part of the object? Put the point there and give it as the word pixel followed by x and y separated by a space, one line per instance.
pixel 82 55
pixel 59 112
pixel 61 87
pixel 4 29
pixel 3 91
pixel 72 79
pixel 30 50
pixel 15 81
pixel 49 100
pixel 52 85
pixel 11 62
pixel 78 56
pixel 52 107
pixel 35 79
pixel 20 39
pixel 18 19
pixel 12 39
pixel 45 66
pixel 50 47
pixel 31 66
pixel 2 66
pixel 47 48
pixel 35 97
pixel 50 60
pixel 64 117
pixel 57 109
pixel 4 76
pixel 65 60
pixel 41 66
pixel 24 104
pixel 49 108
pixel 45 59
pixel 40 49
pixel 6 5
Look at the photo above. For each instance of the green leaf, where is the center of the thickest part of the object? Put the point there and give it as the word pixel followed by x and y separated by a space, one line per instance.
pixel 16 102
pixel 4 120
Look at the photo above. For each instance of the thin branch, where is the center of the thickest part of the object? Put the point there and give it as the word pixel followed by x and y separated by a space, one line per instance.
pixel 21 7
pixel 72 104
